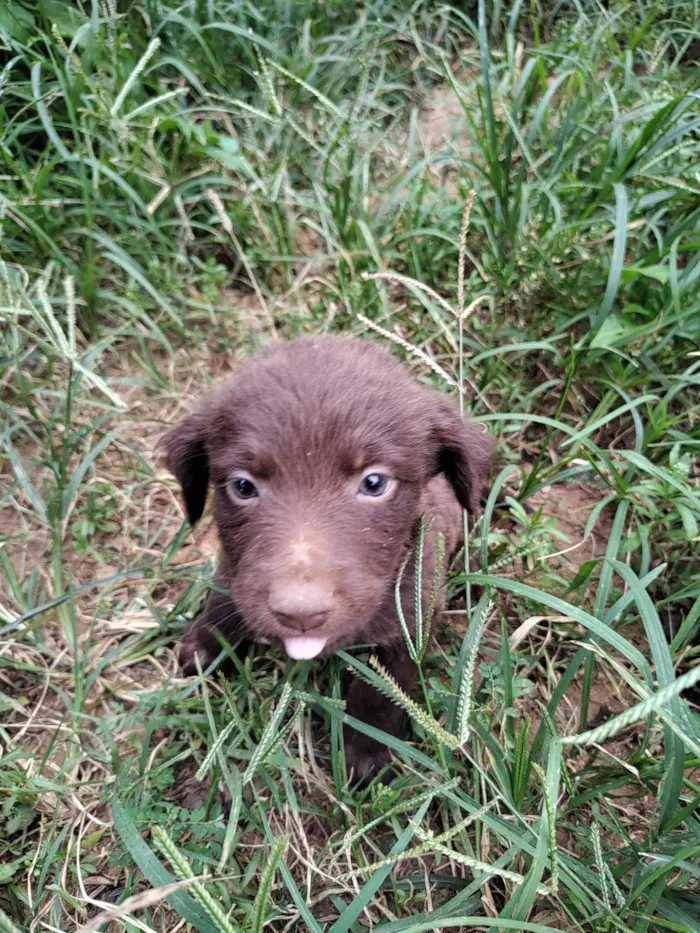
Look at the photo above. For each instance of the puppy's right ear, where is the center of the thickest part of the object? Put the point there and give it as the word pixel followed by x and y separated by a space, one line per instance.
pixel 186 457
pixel 464 452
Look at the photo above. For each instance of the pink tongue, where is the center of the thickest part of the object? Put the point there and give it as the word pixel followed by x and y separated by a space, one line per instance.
pixel 304 647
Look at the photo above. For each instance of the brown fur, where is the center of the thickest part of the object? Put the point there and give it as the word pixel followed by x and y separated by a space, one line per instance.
pixel 304 419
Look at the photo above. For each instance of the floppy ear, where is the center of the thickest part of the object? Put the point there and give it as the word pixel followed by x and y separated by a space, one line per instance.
pixel 464 451
pixel 186 457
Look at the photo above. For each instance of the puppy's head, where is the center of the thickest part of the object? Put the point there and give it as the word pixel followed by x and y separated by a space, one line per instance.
pixel 318 454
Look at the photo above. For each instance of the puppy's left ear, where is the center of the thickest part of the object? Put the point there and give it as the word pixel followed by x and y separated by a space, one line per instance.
pixel 185 452
pixel 463 453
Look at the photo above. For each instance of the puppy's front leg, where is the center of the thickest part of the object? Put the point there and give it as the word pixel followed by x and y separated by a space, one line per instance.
pixel 364 756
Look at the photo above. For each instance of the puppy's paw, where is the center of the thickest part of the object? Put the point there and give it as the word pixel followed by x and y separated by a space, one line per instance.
pixel 365 758
pixel 197 643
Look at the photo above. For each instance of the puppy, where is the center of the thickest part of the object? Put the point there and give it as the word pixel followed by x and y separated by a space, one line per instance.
pixel 322 454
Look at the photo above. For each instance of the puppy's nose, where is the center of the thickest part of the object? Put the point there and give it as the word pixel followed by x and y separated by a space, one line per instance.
pixel 301 606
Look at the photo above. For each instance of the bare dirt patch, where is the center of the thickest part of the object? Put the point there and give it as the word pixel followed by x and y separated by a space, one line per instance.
pixel 446 135
pixel 445 129
pixel 570 506
pixel 443 120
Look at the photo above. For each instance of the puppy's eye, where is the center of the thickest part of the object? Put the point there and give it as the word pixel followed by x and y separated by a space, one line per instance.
pixel 375 485
pixel 243 487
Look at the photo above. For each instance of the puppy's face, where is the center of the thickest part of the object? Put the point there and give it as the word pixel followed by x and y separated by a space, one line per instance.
pixel 318 454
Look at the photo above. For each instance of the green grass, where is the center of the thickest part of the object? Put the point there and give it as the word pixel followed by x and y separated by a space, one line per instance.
pixel 179 184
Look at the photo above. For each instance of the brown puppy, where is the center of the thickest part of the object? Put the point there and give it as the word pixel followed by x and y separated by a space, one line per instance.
pixel 323 453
